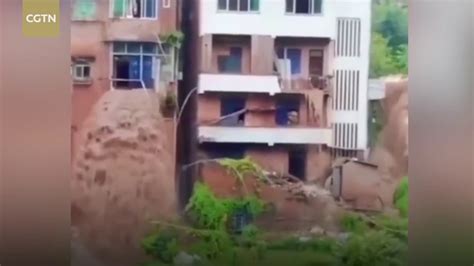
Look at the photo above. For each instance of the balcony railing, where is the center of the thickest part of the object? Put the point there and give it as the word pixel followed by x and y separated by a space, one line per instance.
pixel 322 83
pixel 269 135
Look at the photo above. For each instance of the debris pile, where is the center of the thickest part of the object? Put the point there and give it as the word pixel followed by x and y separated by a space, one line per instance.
pixel 297 188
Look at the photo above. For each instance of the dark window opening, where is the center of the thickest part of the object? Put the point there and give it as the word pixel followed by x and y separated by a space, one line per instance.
pixel 135 8
pixel 244 5
pixel 134 65
pixel 228 150
pixel 233 4
pixel 231 63
pixel 238 5
pixel 292 54
pixel 303 6
pixel 287 112
pixel 297 163
pixel 222 5
pixel 231 106
pixel 316 62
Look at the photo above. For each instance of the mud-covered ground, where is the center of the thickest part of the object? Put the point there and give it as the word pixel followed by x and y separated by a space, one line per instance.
pixel 123 176
pixel 391 153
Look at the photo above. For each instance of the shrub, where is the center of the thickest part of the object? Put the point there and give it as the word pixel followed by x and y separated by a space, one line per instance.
pixel 373 248
pixel 401 197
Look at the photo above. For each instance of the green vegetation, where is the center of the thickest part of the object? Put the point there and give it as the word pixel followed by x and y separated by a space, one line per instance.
pixel 380 240
pixel 389 50
pixel 173 39
pixel 210 237
pixel 401 197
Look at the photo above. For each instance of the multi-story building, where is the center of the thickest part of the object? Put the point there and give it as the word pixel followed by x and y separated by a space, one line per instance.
pixel 283 81
pixel 120 44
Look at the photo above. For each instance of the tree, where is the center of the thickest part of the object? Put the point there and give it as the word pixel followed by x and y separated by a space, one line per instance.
pixel 381 59
pixel 389 51
pixel 401 59
pixel 391 20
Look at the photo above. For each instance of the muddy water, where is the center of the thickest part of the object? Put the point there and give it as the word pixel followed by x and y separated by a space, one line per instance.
pixel 391 153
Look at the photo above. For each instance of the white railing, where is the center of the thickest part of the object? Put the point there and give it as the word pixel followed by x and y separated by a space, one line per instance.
pixel 269 135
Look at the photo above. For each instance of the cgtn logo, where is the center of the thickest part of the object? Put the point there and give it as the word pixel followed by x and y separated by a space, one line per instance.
pixel 41 18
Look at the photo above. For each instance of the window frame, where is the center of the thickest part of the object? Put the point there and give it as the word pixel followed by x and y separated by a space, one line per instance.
pixel 238 11
pixel 77 3
pixel 285 56
pixel 156 58
pixel 125 14
pixel 81 64
pixel 312 13
pixel 229 57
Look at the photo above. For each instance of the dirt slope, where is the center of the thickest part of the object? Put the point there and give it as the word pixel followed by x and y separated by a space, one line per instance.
pixel 123 175
pixel 391 153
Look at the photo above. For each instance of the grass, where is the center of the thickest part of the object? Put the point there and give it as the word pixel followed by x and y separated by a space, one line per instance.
pixel 279 258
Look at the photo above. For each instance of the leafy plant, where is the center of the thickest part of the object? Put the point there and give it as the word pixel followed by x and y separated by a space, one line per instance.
pixel 206 210
pixel 354 223
pixel 401 197
pixel 174 39
pixel 374 248
pixel 321 244
pixel 161 245
pixel 389 53
pixel 240 168
pixel 252 239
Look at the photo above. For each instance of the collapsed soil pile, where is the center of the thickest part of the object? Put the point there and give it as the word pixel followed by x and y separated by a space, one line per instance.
pixel 391 153
pixel 123 175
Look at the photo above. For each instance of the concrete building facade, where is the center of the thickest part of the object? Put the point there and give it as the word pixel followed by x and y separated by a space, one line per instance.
pixel 120 44
pixel 283 81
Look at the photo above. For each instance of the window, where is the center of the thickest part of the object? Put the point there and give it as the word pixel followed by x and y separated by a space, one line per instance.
pixel 135 9
pixel 81 71
pixel 297 163
pixel 231 106
pixel 231 63
pixel 238 5
pixel 84 10
pixel 304 6
pixel 166 3
pixel 287 112
pixel 292 54
pixel 224 150
pixel 135 65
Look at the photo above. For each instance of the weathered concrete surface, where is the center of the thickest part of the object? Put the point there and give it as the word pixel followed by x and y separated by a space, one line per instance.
pixel 123 175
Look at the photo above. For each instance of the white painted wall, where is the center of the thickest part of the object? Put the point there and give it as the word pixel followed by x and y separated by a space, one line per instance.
pixel 269 135
pixel 238 83
pixel 272 20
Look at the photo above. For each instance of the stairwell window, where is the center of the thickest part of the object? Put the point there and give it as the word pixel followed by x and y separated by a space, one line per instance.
pixel 238 5
pixel 304 7
pixel 135 9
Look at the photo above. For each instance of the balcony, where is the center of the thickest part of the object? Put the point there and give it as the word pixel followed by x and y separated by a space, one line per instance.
pixel 239 83
pixel 269 135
